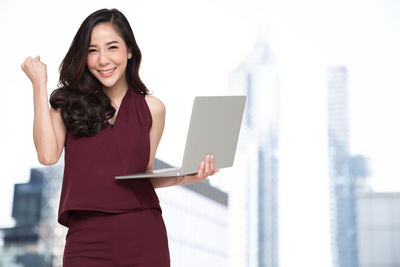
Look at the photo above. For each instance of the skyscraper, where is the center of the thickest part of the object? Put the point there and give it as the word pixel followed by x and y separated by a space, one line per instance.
pixel 256 160
pixel 24 244
pixel 342 183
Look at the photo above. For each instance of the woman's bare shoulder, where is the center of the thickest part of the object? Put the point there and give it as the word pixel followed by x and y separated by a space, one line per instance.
pixel 156 106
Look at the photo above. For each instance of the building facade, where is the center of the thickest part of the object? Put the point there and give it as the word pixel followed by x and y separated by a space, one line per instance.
pixel 31 242
pixel 343 185
pixel 378 227
pixel 256 162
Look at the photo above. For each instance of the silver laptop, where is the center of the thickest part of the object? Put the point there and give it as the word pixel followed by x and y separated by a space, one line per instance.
pixel 214 130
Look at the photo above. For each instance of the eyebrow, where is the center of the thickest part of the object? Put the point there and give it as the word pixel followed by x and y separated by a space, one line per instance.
pixel 111 42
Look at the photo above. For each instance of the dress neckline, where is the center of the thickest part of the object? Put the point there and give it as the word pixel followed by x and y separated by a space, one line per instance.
pixel 119 109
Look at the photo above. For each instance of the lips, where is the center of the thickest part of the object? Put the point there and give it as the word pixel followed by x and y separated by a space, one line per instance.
pixel 107 73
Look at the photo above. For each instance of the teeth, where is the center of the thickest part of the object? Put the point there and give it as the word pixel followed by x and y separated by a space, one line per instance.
pixel 106 71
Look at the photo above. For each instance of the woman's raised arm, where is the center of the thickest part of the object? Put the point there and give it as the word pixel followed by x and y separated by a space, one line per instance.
pixel 48 128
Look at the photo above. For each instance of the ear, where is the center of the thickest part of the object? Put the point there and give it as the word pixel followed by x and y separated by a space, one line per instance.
pixel 129 53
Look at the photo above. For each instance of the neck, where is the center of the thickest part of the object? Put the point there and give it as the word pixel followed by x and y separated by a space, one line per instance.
pixel 117 92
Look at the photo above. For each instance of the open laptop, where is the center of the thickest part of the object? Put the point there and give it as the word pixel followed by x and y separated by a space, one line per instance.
pixel 213 130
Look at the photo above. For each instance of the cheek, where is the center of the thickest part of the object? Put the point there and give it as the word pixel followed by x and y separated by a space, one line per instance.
pixel 90 62
pixel 120 58
pixel 91 66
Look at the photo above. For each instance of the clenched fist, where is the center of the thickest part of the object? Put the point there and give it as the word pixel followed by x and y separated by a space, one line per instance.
pixel 35 70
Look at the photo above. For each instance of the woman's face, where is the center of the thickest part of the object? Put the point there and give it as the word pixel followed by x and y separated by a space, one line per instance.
pixel 107 56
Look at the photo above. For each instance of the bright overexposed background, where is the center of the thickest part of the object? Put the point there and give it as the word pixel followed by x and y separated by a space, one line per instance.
pixel 189 48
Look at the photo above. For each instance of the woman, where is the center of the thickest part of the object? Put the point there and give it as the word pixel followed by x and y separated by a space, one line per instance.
pixel 109 125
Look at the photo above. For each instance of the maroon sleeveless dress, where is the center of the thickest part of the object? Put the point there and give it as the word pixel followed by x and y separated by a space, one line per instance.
pixel 112 222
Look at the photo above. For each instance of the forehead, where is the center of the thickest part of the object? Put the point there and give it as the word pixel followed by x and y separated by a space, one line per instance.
pixel 103 33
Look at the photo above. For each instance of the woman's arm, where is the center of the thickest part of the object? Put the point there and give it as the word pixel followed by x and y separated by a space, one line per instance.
pixel 157 110
pixel 48 128
pixel 206 167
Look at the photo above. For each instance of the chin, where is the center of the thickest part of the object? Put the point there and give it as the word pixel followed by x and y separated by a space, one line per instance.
pixel 107 84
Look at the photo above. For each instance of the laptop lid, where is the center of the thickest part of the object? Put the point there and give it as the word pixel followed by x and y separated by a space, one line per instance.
pixel 214 129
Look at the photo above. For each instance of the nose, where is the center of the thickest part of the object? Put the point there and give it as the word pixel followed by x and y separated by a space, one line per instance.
pixel 103 59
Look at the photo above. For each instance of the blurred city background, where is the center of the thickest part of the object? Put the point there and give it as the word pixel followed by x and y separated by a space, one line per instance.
pixel 314 182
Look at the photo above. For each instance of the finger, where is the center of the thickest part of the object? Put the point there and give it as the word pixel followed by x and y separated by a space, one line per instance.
pixel 26 60
pixel 212 163
pixel 201 169
pixel 207 167
pixel 24 65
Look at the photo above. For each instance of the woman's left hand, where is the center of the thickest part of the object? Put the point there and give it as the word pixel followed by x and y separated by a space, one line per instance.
pixel 206 168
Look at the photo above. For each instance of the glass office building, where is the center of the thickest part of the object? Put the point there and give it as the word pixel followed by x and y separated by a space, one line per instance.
pixel 342 183
pixel 255 174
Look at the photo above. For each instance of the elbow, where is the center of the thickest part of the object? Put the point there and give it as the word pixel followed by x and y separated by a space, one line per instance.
pixel 47 161
pixel 153 181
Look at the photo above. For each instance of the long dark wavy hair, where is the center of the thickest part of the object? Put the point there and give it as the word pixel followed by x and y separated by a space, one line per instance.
pixel 85 108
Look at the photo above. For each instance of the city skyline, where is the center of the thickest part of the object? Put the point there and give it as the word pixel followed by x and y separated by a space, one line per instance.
pixel 307 37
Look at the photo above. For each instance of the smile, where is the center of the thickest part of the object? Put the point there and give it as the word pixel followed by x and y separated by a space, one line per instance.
pixel 107 73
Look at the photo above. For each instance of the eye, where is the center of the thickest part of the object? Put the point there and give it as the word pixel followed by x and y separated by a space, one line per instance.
pixel 113 47
pixel 92 50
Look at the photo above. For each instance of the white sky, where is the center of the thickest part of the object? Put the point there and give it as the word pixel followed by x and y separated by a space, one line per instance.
pixel 188 49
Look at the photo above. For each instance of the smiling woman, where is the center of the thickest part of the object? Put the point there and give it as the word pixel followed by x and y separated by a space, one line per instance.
pixel 110 222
